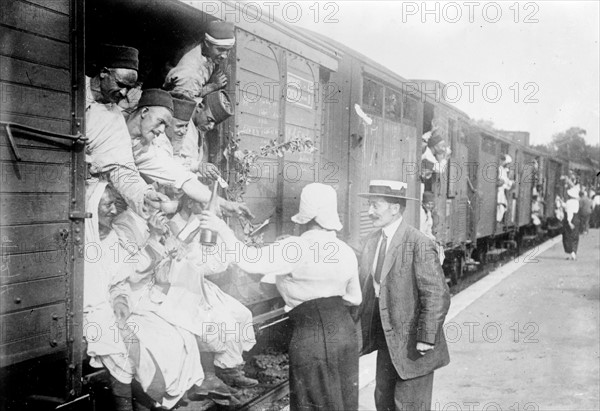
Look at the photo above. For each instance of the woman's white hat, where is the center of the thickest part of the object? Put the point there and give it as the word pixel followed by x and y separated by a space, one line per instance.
pixel 319 202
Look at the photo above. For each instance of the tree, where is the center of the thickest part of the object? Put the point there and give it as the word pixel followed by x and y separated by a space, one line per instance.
pixel 485 124
pixel 571 144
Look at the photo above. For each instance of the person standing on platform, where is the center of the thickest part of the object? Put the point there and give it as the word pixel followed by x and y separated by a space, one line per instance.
pixel 595 220
pixel 405 302
pixel 317 276
pixel 586 206
pixel 571 223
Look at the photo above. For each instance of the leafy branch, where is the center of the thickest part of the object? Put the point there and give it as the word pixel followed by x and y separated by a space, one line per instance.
pixel 244 161
pixel 241 162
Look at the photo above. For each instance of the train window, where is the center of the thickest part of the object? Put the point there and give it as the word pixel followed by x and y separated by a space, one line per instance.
pixel 372 97
pixel 410 109
pixel 393 105
pixel 504 148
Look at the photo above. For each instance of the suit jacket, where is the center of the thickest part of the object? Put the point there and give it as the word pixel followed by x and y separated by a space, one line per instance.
pixel 413 301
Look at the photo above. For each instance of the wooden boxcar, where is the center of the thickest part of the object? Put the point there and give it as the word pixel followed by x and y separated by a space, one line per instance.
pixel 387 148
pixel 43 168
pixel 452 187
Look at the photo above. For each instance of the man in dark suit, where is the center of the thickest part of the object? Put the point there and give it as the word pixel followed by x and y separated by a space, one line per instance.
pixel 405 301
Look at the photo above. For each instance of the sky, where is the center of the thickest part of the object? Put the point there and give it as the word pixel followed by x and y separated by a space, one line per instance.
pixel 528 66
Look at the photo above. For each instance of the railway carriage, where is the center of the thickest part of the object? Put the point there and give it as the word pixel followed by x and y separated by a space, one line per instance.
pixel 452 187
pixel 275 81
pixel 376 124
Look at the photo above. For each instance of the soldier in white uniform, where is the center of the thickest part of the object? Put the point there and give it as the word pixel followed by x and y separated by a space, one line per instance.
pixel 197 73
pixel 108 149
pixel 148 121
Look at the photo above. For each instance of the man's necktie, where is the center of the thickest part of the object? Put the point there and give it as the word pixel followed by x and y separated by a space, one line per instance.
pixel 380 258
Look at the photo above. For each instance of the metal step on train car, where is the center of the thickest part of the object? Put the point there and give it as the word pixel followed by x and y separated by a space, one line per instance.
pixel 285 84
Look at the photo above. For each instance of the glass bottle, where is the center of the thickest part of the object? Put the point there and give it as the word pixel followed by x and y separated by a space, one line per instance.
pixel 208 237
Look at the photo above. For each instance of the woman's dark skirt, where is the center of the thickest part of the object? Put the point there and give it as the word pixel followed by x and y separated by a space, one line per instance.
pixel 570 236
pixel 323 357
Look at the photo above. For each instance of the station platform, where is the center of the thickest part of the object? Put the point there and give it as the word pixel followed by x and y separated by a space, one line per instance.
pixel 525 337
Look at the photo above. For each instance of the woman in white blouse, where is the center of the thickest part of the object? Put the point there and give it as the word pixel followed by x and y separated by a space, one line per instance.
pixel 317 276
pixel 571 222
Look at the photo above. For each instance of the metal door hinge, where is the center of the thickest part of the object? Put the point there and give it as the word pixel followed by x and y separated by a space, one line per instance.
pixel 79 215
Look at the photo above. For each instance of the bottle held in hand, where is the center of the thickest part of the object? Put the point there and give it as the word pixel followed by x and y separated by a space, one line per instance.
pixel 208 237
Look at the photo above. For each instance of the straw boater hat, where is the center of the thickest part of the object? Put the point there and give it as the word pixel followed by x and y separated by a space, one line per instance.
pixel 319 202
pixel 387 189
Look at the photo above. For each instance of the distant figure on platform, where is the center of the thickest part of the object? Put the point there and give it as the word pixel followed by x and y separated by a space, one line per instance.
pixel 596 211
pixel 571 223
pixel 504 184
pixel 586 206
pixel 405 302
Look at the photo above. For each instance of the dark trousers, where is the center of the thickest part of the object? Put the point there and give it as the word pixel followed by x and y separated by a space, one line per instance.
pixel 570 235
pixel 391 391
pixel 595 218
pixel 584 223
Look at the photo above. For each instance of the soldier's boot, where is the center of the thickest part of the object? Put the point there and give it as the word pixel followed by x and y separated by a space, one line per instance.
pixel 211 386
pixel 235 377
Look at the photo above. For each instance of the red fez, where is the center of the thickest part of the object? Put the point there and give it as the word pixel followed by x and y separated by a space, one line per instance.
pixel 220 33
pixel 219 104
pixel 434 139
pixel 183 108
pixel 154 97
pixel 111 56
pixel 428 196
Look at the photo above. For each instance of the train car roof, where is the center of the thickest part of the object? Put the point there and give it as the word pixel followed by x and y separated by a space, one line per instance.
pixel 381 71
pixel 439 99
pixel 184 18
pixel 314 47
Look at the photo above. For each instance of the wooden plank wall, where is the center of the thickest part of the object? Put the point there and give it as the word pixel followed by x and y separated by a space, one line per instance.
pixel 35 60
pixel 35 90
